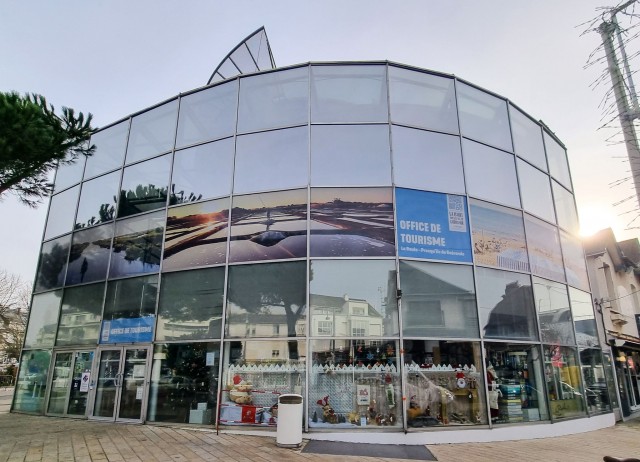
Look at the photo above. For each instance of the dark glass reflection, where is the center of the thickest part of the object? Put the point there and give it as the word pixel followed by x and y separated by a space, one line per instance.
pixel 137 245
pixel 89 256
pixel 80 315
pixel 202 172
pixel 505 303
pixel 438 300
pixel 144 186
pixel 184 384
pixel 191 305
pixel 53 261
pixel 554 314
pixel 498 236
pixel 196 235
pixel 269 226
pixel 98 200
pixel 131 298
pixel 111 144
pixel 352 222
pixel 267 300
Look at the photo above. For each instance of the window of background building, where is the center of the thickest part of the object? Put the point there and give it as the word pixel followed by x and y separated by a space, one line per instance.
pixel 152 132
pixel 111 144
pixel 274 100
pixel 438 300
pixel 98 200
pixel 422 100
pixel 427 160
pixel 89 256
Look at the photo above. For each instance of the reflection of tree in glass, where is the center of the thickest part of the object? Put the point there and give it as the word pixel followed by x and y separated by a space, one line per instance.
pixel 276 285
pixel 106 213
pixel 143 246
pixel 181 197
pixel 51 265
pixel 141 199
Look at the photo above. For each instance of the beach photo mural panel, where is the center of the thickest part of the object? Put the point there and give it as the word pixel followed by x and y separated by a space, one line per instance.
pixel 196 235
pixel 498 236
pixel 544 249
pixel 269 226
pixel 352 222
pixel 432 226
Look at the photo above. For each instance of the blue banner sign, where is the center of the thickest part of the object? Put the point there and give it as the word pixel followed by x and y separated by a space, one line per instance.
pixel 127 330
pixel 432 226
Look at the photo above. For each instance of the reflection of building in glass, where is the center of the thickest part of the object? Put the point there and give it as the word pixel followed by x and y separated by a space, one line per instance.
pixel 352 232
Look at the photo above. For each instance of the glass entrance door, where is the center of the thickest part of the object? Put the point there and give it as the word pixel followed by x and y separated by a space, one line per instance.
pixel 70 383
pixel 121 384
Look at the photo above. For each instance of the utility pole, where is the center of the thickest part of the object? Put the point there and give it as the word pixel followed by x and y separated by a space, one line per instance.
pixel 626 113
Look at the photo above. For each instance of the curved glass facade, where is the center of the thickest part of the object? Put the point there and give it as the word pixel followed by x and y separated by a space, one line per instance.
pixel 396 245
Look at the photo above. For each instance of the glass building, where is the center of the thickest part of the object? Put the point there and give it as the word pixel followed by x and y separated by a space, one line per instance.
pixel 396 245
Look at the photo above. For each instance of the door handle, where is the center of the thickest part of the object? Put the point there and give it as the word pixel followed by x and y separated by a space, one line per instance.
pixel 118 379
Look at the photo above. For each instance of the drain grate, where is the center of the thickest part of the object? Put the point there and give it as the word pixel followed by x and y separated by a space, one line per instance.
pixel 383 451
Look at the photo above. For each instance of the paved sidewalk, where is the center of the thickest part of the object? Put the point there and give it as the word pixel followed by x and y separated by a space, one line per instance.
pixel 36 438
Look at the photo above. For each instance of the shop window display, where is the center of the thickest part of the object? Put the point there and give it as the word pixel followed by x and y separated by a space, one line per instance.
pixel 255 374
pixel 443 383
pixel 595 382
pixel 184 383
pixel 354 384
pixel 564 384
pixel 515 383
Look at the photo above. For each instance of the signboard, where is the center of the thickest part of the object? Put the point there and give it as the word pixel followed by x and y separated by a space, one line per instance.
pixel 127 330
pixel 432 226
pixel 364 394
pixel 84 382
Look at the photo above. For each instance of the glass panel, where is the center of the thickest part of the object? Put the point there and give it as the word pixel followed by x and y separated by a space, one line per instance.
pixel 61 213
pixel 78 397
pixel 31 388
pixel 111 144
pixel 227 69
pixel 269 226
pixel 108 371
pixel 565 208
pixel 527 138
pixel 594 381
pixel 89 257
pixel 144 186
pixel 355 93
pixel 273 100
pixel 152 132
pixel 60 383
pixel 202 172
pixel 255 373
pixel 353 298
pixel 242 59
pixel 491 174
pixel 432 225
pixel 505 303
pixel 68 174
pixel 184 383
pixel 196 235
pixel 272 160
pixel 574 262
pixel 544 249
pixel 133 381
pixel 422 100
pixel 98 200
pixel 191 305
pixel 498 236
pixel 516 383
pixel 352 222
pixel 259 48
pixel 564 384
pixel 354 383
pixel 583 318
pixel 52 264
pixel 483 117
pixel 352 155
pixel 43 320
pixel 443 383
pixel 137 245
pixel 131 298
pixel 208 114
pixel 427 160
pixel 267 300
pixel 558 162
pixel 438 300
pixel 81 315
pixel 535 191
pixel 552 301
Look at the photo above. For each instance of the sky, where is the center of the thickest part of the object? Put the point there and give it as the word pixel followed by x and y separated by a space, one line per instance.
pixel 113 58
